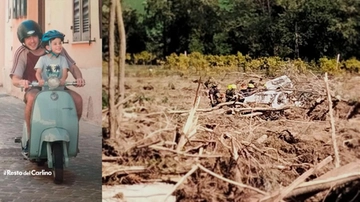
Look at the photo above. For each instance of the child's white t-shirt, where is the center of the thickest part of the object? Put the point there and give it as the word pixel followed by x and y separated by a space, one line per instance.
pixel 51 66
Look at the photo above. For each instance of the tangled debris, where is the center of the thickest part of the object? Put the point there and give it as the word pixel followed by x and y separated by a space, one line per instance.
pixel 250 152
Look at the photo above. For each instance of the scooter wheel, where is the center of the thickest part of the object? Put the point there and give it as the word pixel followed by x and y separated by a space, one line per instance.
pixel 41 162
pixel 58 157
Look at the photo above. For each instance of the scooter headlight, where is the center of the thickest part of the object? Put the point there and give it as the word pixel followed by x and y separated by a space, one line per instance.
pixel 53 82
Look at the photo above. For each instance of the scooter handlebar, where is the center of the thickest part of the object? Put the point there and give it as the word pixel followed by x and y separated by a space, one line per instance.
pixel 36 84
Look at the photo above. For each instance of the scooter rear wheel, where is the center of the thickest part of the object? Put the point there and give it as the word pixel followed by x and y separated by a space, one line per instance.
pixel 58 157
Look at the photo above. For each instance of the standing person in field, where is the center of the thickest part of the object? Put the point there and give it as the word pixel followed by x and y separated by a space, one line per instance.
pixel 214 95
pixel 52 64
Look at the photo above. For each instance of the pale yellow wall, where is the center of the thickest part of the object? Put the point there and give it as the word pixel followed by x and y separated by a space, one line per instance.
pixel 11 44
pixel 32 9
pixel 2 42
pixel 58 15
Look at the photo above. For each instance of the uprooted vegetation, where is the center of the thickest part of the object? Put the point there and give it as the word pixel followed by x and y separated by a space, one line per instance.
pixel 253 152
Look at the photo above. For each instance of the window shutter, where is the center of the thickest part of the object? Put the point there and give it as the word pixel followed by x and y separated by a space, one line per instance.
pixel 85 20
pixel 76 26
pixel 18 10
pixel 15 13
pixel 22 13
pixel 25 7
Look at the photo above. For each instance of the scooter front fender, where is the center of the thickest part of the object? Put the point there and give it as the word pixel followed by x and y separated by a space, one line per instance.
pixel 53 135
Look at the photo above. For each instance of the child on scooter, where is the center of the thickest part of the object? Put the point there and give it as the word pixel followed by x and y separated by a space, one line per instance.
pixel 52 64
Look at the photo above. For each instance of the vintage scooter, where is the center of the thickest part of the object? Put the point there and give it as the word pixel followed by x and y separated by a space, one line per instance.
pixel 54 131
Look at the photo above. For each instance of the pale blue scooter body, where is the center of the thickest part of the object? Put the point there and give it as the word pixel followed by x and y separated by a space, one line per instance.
pixel 54 119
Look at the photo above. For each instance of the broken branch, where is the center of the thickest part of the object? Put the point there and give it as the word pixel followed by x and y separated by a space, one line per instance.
pixel 185 154
pixel 230 181
pixel 249 109
pixel 193 169
pixel 332 122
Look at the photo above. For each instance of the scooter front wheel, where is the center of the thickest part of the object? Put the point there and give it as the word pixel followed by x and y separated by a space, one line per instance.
pixel 41 162
pixel 58 157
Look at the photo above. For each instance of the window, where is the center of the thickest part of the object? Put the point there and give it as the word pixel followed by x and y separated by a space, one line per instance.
pixel 19 8
pixel 81 23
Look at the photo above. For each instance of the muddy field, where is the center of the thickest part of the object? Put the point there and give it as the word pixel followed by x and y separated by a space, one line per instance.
pixel 237 153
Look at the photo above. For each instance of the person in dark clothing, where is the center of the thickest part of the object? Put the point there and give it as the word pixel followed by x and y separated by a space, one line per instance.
pixel 208 83
pixel 214 95
pixel 244 92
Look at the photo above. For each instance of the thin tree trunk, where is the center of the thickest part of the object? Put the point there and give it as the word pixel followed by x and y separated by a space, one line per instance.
pixel 111 72
pixel 122 53
pixel 296 42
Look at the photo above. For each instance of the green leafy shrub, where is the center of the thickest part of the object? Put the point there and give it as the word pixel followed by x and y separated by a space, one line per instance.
pixel 352 65
pixel 329 65
pixel 143 58
pixel 300 65
pixel 198 63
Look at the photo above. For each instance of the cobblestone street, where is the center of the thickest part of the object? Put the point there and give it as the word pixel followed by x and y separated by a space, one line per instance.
pixel 82 179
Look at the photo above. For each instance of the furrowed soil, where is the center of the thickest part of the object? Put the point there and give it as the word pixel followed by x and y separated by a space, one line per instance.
pixel 264 152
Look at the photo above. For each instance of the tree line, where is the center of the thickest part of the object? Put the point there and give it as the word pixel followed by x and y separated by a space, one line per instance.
pixel 304 29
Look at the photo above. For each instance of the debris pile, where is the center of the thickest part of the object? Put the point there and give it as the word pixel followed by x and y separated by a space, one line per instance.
pixel 238 151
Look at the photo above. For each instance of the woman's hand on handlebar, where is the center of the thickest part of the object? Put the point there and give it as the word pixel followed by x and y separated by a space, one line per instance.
pixel 24 83
pixel 80 82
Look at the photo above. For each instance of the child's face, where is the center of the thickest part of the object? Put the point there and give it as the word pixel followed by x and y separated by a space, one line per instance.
pixel 56 46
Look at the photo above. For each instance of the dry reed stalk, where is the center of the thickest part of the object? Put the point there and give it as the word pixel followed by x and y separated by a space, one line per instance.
pixel 190 126
pixel 332 122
